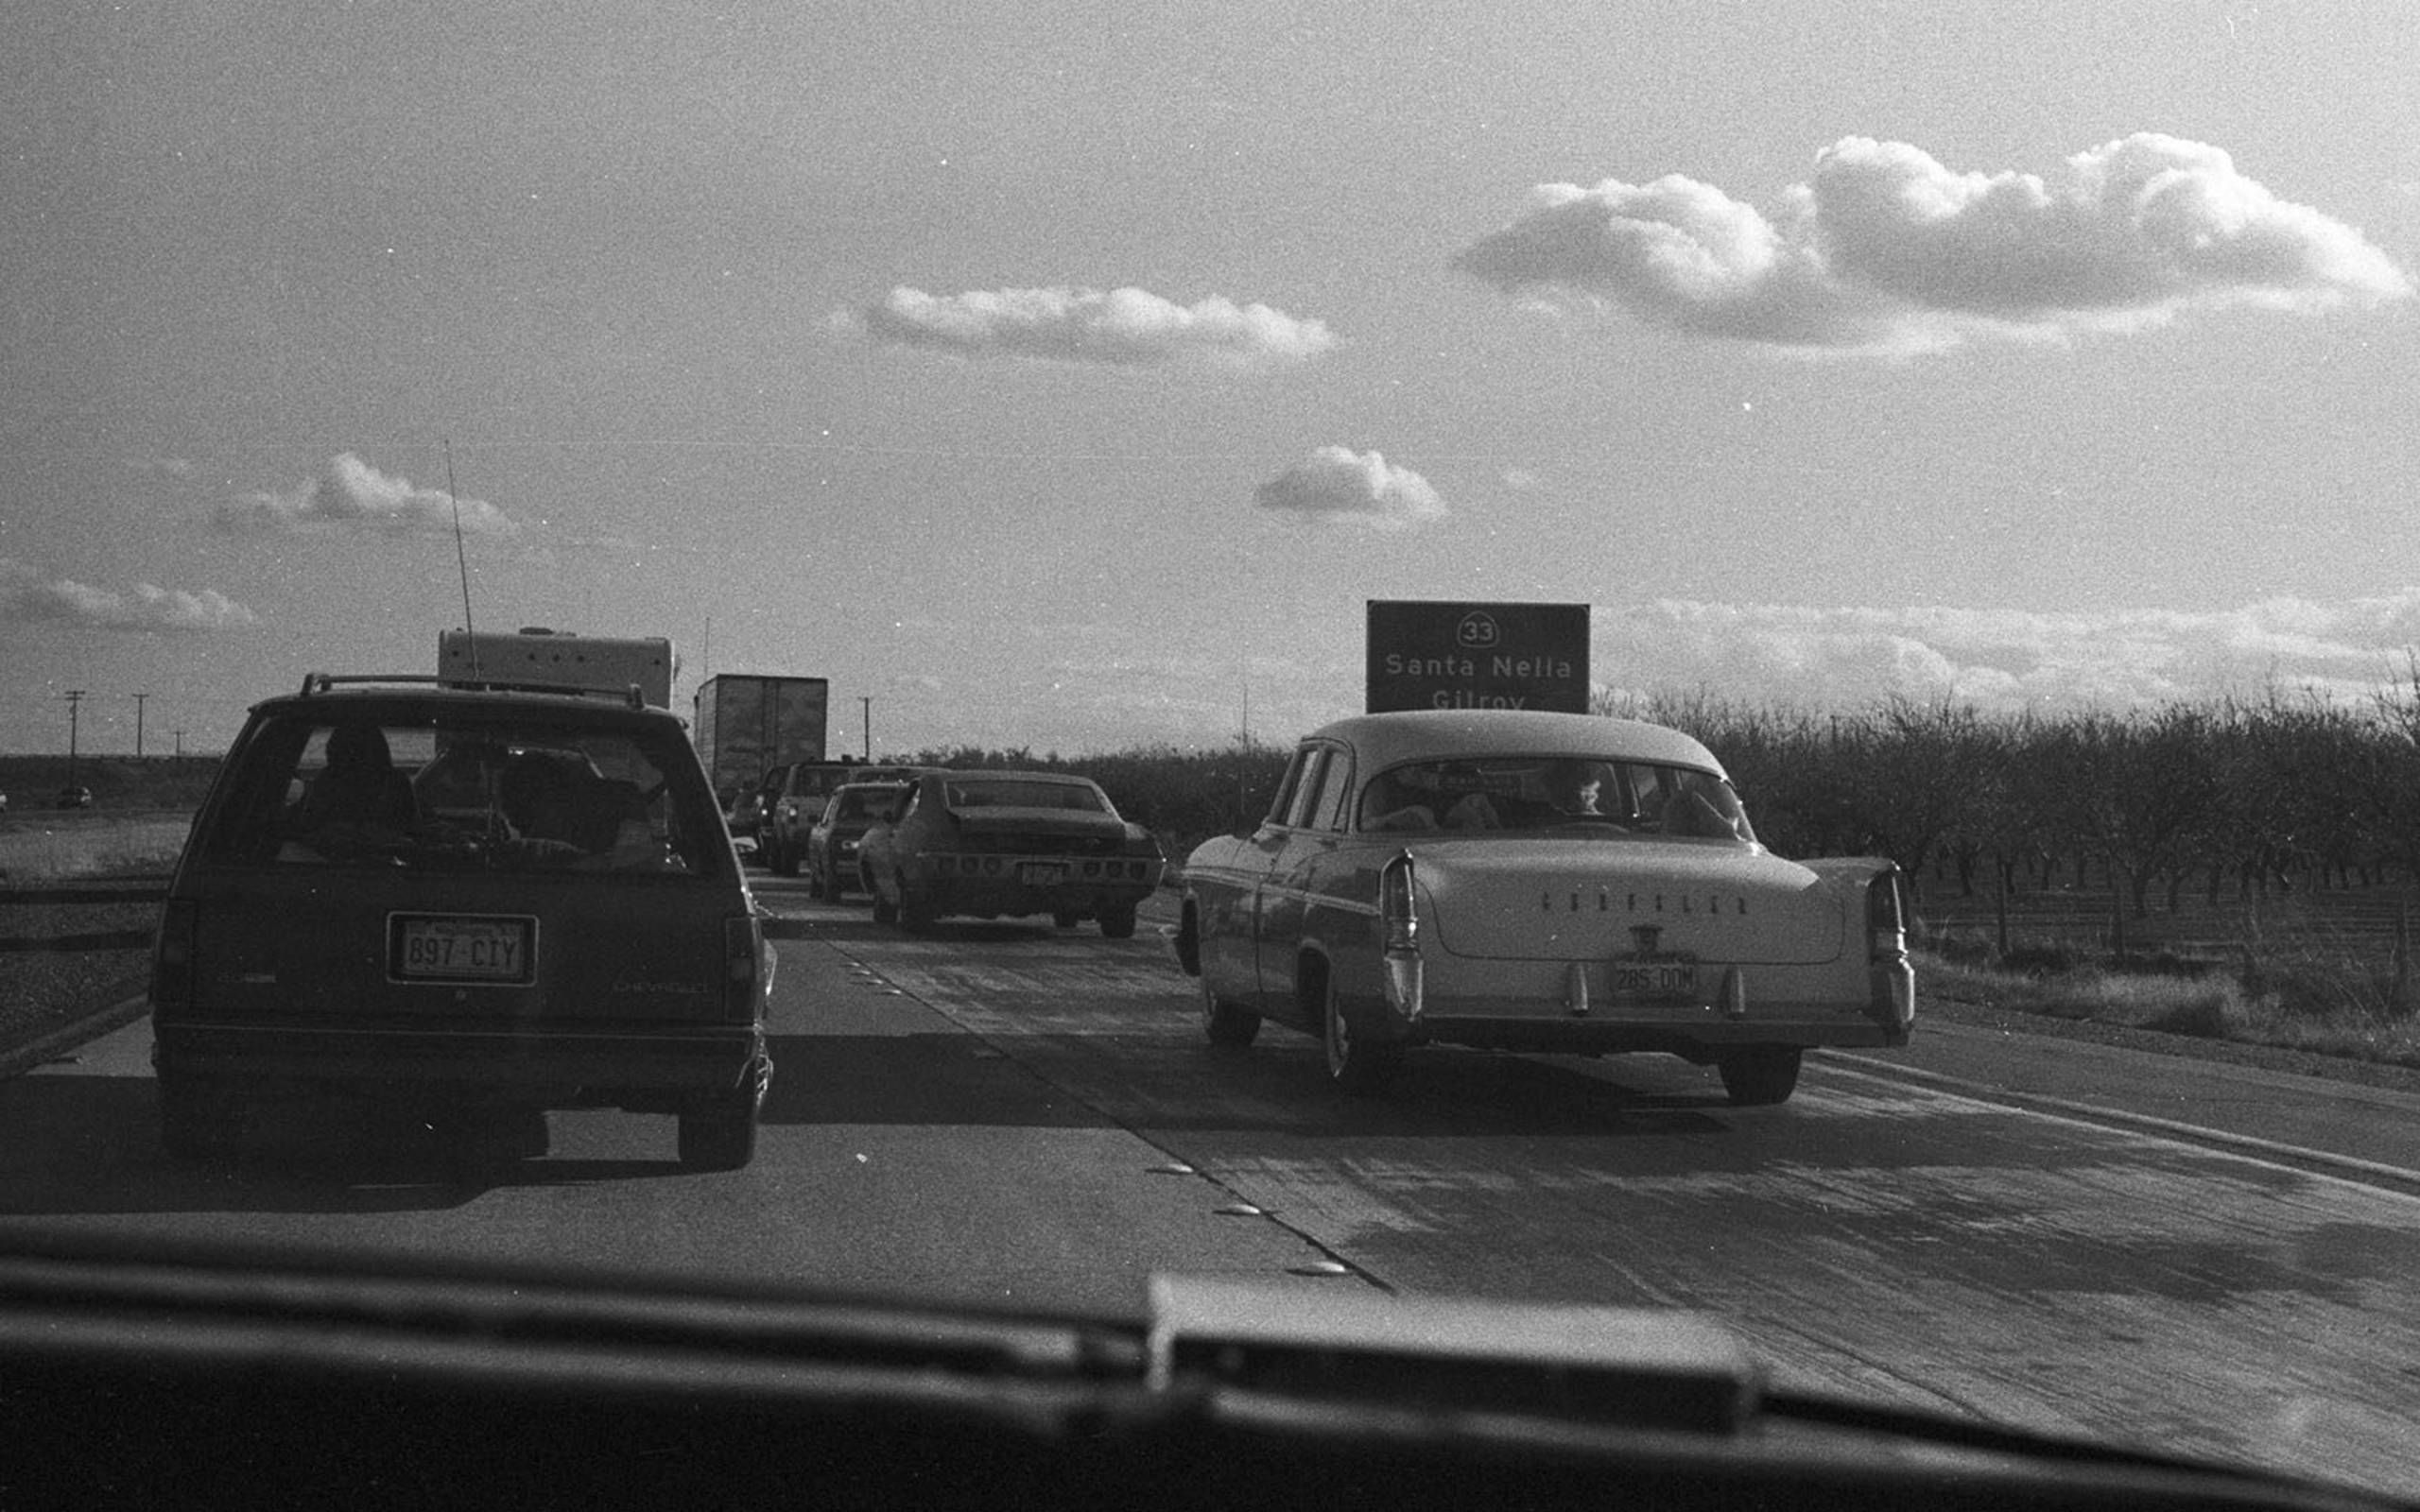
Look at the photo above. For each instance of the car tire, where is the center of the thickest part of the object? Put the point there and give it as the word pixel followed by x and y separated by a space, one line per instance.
pixel 1066 918
pixel 916 911
pixel 782 862
pixel 815 884
pixel 1227 1026
pixel 885 911
pixel 718 1136
pixel 1357 1068
pixel 197 1121
pixel 834 891
pixel 1118 922
pixel 1760 1075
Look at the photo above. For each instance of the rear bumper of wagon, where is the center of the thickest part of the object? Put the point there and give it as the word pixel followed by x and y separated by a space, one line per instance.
pixel 561 1067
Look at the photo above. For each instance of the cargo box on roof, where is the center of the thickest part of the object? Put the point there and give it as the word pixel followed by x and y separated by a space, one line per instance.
pixel 537 658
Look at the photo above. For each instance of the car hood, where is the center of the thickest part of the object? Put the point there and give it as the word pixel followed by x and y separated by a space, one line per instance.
pixel 1588 899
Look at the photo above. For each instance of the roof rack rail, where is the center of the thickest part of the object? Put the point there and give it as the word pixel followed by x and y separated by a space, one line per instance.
pixel 315 683
pixel 631 695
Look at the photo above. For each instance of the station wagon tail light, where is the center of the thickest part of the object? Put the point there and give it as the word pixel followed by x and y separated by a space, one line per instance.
pixel 172 957
pixel 743 957
pixel 1399 934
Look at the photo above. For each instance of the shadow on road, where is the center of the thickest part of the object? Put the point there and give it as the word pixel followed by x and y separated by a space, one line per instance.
pixel 937 1079
pixel 91 1145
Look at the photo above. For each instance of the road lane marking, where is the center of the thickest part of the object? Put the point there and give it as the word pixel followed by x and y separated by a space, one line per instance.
pixel 2346 1168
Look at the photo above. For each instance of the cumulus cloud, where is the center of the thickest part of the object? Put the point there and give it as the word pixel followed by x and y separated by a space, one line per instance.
pixel 1336 483
pixel 2002 660
pixel 1124 327
pixel 27 595
pixel 1884 248
pixel 351 496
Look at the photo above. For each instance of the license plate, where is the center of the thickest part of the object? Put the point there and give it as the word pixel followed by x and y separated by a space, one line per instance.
pixel 1041 874
pixel 1655 979
pixel 442 947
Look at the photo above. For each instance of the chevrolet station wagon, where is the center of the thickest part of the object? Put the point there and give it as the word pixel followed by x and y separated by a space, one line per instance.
pixel 471 905
pixel 1537 882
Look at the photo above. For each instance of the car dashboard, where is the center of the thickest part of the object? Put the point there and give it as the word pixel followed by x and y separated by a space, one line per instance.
pixel 131 1375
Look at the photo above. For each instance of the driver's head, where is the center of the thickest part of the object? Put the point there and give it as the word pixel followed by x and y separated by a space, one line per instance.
pixel 1574 786
pixel 358 750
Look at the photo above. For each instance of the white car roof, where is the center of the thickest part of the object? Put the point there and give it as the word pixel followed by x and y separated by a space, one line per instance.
pixel 1426 734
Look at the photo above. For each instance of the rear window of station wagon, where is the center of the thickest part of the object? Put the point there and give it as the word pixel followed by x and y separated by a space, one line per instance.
pixel 458 789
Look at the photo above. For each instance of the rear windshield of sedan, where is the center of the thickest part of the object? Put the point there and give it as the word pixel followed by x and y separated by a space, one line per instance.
pixel 326 789
pixel 1008 792
pixel 1554 794
pixel 863 803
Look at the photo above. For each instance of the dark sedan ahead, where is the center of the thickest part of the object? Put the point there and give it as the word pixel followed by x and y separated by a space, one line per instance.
pixel 994 844
pixel 832 841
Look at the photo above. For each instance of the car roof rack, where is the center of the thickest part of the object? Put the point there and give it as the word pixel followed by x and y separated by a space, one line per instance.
pixel 631 695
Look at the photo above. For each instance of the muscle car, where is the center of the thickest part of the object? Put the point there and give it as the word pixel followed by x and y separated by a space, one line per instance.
pixel 1000 844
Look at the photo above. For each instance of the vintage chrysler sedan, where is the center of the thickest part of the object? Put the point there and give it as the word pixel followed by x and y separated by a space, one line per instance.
pixel 996 845
pixel 1537 882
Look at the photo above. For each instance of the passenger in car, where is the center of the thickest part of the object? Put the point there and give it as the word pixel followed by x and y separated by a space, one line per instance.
pixel 1401 804
pixel 359 787
pixel 1691 812
pixel 1573 788
pixel 1474 810
pixel 548 797
pixel 1392 805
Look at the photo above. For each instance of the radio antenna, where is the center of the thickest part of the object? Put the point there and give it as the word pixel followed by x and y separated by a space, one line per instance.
pixel 462 559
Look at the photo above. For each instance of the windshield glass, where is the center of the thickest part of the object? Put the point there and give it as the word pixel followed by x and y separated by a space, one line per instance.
pixel 995 793
pixel 864 803
pixel 1555 794
pixel 1981 432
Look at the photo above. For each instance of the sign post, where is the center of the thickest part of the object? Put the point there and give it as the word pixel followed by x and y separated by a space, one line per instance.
pixel 1430 655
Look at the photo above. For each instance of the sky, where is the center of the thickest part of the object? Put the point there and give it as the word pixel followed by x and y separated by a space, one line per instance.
pixel 1070 376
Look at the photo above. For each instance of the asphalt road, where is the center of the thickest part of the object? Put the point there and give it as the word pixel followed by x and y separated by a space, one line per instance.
pixel 2063 1235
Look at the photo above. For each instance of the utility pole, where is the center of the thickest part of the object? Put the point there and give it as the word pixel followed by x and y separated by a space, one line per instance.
pixel 75 698
pixel 138 724
pixel 865 706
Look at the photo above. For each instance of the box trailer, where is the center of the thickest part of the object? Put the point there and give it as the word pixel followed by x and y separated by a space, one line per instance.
pixel 747 725
pixel 534 656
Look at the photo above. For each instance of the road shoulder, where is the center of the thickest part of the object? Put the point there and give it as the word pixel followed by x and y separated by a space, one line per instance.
pixel 2356 1119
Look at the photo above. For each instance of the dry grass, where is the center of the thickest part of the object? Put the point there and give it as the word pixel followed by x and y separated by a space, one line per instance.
pixel 71 848
pixel 45 990
pixel 2308 999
